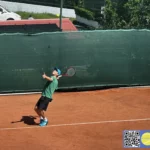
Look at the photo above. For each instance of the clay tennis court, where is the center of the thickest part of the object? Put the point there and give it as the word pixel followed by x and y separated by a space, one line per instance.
pixel 92 120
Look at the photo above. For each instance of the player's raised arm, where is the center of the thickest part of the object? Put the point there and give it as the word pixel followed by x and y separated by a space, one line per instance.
pixel 46 77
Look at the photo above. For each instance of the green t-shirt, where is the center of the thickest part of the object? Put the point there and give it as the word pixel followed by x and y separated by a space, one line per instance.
pixel 50 87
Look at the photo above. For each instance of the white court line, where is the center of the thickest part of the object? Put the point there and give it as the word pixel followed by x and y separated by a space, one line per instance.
pixel 14 94
pixel 76 124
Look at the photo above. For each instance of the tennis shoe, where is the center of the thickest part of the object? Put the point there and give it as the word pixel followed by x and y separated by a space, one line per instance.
pixel 43 123
pixel 41 120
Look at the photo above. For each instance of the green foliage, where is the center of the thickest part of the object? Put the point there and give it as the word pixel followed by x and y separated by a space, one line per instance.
pixel 111 15
pixel 138 13
pixel 25 15
pixel 79 3
pixel 82 12
pixel 99 17
pixel 127 14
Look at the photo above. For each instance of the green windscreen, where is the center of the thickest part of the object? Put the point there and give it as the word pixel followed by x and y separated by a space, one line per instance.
pixel 100 58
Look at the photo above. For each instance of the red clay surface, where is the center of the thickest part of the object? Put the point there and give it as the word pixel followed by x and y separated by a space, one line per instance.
pixel 71 108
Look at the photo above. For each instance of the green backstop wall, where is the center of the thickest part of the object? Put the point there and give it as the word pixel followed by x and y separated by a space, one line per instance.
pixel 101 58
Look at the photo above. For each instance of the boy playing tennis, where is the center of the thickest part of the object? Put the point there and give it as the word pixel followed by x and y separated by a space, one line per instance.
pixel 49 89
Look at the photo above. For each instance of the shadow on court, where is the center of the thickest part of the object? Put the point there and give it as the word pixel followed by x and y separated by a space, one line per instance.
pixel 29 120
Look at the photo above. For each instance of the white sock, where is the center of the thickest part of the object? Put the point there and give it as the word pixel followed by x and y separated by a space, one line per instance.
pixel 41 118
pixel 45 119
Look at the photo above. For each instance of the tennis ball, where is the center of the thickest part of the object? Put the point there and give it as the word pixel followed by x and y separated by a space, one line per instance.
pixel 146 139
pixel 57 15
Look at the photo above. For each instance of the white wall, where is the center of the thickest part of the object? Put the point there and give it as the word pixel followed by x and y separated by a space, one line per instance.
pixel 13 6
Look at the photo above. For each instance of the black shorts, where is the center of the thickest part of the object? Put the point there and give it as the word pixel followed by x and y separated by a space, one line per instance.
pixel 43 102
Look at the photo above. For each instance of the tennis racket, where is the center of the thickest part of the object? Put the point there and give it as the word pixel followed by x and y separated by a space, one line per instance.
pixel 69 73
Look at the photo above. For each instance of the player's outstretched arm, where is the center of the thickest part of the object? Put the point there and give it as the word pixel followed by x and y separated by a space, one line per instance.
pixel 59 76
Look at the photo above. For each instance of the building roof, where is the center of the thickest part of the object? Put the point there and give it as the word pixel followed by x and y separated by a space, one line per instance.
pixel 67 25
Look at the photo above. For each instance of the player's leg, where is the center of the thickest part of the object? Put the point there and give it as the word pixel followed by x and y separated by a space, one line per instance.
pixel 38 107
pixel 37 111
pixel 43 107
pixel 39 114
pixel 42 114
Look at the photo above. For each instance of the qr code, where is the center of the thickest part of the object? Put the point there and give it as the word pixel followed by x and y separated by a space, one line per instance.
pixel 131 139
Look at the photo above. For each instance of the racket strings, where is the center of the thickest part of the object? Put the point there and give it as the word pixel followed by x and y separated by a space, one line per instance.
pixel 70 72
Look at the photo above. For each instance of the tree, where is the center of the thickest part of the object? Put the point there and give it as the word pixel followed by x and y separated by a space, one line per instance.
pixel 138 13
pixel 79 3
pixel 133 12
pixel 122 17
pixel 127 14
pixel 110 15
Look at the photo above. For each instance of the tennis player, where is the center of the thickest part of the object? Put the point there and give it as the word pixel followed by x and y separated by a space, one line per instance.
pixel 46 97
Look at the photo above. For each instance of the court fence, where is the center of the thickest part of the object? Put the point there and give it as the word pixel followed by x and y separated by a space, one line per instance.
pixel 101 59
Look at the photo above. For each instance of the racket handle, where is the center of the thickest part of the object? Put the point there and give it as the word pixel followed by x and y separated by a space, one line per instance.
pixel 60 76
